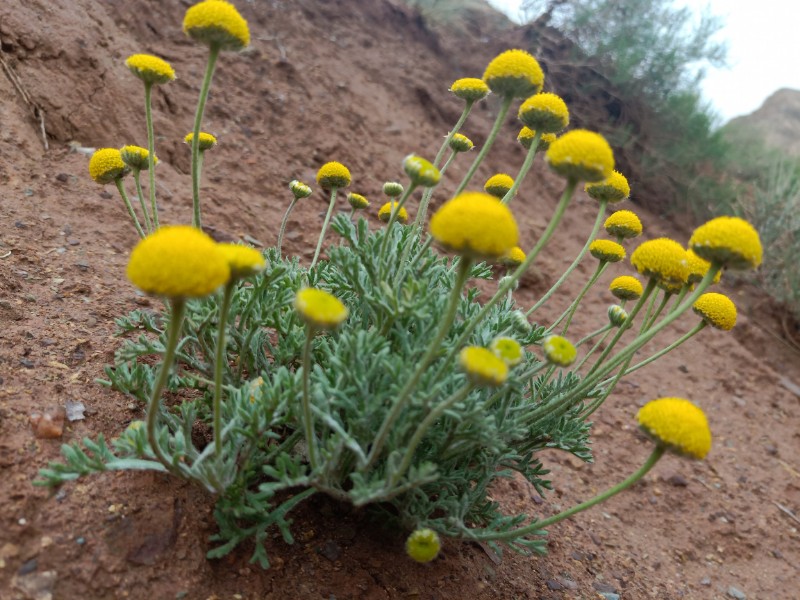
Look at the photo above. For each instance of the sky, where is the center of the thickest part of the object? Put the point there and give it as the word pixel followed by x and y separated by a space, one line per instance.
pixel 763 48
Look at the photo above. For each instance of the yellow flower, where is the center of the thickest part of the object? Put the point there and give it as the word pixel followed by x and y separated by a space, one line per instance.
pixel 333 175
pixel 559 350
pixel 514 73
pixel 319 309
pixel 677 424
pixel 385 213
pixel 475 224
pixel 607 250
pixel 614 188
pixel 498 185
pixel 178 262
pixel 717 310
pixel 423 545
pixel 728 241
pixel 526 135
pixel 626 287
pixel 393 189
pixel 106 165
pixel 242 260
pixel 544 112
pixel 461 143
pixel 617 315
pixel 420 171
pixel 507 349
pixel 299 189
pixel 514 257
pixel 136 157
pixel 206 141
pixel 698 268
pixel 217 23
pixel 663 259
pixel 482 366
pixel 150 69
pixel 581 155
pixel 624 224
pixel 470 89
pixel 357 201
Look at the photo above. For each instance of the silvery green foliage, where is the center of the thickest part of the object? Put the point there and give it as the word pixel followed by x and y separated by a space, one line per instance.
pixel 357 373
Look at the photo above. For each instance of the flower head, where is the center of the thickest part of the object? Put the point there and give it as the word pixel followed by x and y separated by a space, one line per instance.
pixel 498 185
pixel 333 175
pixel 106 165
pixel 205 141
pixel 470 89
pixel 544 112
pixel 624 224
pixel 243 261
pixel 460 143
pixel 607 250
pixel 136 157
pixel 617 315
pixel 420 171
pixel 514 257
pixel 614 188
pixel 698 267
pixel 178 262
pixel 357 201
pixel 581 155
pixel 150 69
pixel 507 349
pixel 482 366
pixel 423 545
pixel 217 23
pixel 663 259
pixel 299 189
pixel 677 424
pixel 393 189
pixel 385 213
pixel 514 73
pixel 526 135
pixel 717 310
pixel 559 350
pixel 728 241
pixel 475 224
pixel 626 287
pixel 319 309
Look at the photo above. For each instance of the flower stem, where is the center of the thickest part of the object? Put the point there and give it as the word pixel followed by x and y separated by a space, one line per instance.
pixel 219 361
pixel 324 227
pixel 283 225
pixel 129 206
pixel 570 312
pixel 136 178
pixel 151 152
pixel 422 212
pixel 461 120
pixel 308 418
pixel 586 338
pixel 523 171
pixel 396 206
pixel 198 120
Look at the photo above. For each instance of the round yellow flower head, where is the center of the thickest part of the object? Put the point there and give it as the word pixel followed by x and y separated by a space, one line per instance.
pixel 624 224
pixel 717 310
pixel 617 315
pixel 663 259
pixel 106 165
pixel 385 213
pixel 559 350
pixel 470 89
pixel 544 112
pixel 698 268
pixel 299 189
pixel 357 201
pixel 393 189
pixel 507 349
pixel 136 157
pixel 482 366
pixel 205 141
pixel 460 143
pixel 607 250
pixel 319 309
pixel 420 171
pixel 614 188
pixel 498 185
pixel 178 262
pixel 514 257
pixel 677 424
pixel 581 155
pixel 475 224
pixel 150 69
pixel 626 287
pixel 217 23
pixel 242 260
pixel 514 73
pixel 333 175
pixel 728 241
pixel 526 135
pixel 423 545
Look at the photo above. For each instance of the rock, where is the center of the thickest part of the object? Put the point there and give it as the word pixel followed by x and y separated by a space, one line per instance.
pixel 603 588
pixel 609 595
pixel 36 586
pixel 678 481
pixel 330 550
pixel 553 585
pixel 49 424
pixel 736 593
pixel 75 410
pixel 705 581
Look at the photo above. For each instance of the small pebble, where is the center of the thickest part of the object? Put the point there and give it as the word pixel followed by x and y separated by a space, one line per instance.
pixel 705 581
pixel 49 424
pixel 736 593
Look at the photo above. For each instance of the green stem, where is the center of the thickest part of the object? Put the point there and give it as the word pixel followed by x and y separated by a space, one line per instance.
pixel 461 120
pixel 681 296
pixel 526 166
pixel 129 206
pixel 396 206
pixel 498 123
pixel 594 348
pixel 308 418
pixel 151 152
pixel 219 361
pixel 198 120
pixel 324 227
pixel 586 338
pixel 647 324
pixel 283 225
pixel 570 312
pixel 422 213
pixel 140 194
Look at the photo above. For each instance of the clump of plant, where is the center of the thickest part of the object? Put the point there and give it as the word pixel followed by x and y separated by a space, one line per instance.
pixel 376 375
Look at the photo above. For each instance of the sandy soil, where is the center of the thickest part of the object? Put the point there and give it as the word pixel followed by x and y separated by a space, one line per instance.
pixel 364 83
